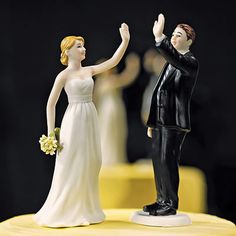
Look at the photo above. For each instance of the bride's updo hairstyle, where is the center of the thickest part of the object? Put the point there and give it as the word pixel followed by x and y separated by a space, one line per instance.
pixel 66 44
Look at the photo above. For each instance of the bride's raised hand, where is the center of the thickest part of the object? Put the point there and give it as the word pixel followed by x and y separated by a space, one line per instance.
pixel 124 32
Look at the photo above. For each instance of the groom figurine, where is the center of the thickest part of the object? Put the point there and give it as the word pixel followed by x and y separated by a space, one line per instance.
pixel 169 118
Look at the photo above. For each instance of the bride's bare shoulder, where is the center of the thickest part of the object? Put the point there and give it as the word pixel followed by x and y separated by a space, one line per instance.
pixel 62 76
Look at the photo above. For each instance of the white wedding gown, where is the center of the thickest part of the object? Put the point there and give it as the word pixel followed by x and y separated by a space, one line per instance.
pixel 73 199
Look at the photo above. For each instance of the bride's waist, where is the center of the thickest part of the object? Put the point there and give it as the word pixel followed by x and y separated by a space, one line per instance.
pixel 79 98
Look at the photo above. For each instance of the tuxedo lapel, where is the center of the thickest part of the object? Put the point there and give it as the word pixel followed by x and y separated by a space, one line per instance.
pixel 170 71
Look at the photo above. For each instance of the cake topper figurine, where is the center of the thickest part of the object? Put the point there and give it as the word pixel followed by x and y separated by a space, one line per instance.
pixel 169 117
pixel 73 198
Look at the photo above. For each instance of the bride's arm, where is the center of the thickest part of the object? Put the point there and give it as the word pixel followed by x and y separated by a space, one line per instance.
pixel 114 60
pixel 52 101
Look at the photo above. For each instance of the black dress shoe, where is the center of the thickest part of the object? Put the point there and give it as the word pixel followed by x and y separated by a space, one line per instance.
pixel 164 210
pixel 151 207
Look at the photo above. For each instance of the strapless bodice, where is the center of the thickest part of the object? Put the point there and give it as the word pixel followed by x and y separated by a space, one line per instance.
pixel 79 90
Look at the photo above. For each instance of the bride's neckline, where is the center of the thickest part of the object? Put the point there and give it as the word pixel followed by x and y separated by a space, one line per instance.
pixel 78 79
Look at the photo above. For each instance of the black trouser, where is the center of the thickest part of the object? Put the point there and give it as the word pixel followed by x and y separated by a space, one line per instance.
pixel 167 145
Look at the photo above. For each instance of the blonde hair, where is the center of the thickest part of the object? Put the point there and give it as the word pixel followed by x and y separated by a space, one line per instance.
pixel 66 44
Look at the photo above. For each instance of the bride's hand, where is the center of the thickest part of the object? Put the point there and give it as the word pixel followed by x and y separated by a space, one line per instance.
pixel 124 32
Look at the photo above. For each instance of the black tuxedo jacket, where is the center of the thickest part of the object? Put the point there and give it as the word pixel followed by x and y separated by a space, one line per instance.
pixel 170 106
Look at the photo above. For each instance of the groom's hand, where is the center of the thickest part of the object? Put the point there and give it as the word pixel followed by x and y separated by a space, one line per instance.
pixel 149 132
pixel 158 27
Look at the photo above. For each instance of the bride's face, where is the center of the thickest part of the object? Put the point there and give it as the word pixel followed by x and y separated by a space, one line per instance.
pixel 77 51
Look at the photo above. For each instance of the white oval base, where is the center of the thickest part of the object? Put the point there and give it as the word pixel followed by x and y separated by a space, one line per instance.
pixel 143 218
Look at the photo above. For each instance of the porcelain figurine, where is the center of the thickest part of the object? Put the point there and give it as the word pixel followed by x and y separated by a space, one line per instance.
pixel 73 199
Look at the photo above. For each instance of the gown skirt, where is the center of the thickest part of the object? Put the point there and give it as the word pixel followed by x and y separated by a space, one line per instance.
pixel 73 198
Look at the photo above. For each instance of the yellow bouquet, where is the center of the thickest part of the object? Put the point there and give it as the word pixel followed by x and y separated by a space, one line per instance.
pixel 50 144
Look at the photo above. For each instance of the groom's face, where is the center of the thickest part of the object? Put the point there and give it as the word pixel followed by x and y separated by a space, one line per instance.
pixel 179 40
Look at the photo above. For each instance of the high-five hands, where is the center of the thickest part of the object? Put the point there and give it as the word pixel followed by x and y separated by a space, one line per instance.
pixel 124 32
pixel 158 27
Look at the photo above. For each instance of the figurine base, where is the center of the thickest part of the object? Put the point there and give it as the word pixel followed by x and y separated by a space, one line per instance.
pixel 143 218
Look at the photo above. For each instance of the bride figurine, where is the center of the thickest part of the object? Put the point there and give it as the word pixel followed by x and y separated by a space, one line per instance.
pixel 73 199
